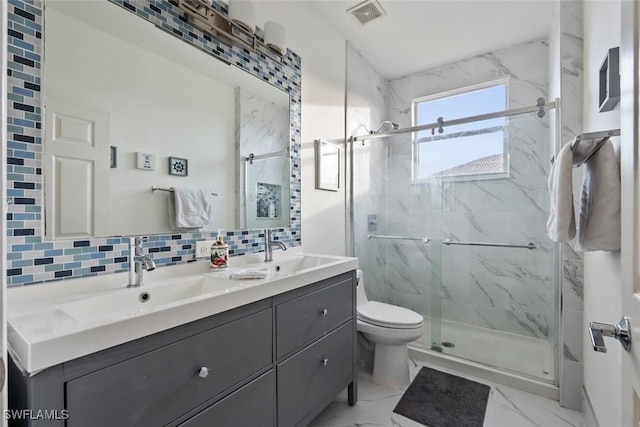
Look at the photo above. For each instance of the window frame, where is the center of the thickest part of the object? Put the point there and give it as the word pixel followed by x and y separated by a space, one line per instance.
pixel 453 92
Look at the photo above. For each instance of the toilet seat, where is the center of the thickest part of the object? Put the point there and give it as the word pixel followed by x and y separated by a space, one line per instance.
pixel 388 316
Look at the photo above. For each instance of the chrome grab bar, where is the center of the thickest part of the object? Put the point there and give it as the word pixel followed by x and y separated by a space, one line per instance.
pixel 379 236
pixel 530 246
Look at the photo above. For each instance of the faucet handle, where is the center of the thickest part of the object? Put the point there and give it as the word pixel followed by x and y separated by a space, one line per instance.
pixel 137 240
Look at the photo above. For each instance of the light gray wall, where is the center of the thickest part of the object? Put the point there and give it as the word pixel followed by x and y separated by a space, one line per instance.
pixel 602 292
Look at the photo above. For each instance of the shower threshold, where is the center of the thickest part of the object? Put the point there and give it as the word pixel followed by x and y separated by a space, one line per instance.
pixel 518 361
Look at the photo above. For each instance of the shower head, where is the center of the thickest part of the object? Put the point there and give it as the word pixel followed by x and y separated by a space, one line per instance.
pixel 394 125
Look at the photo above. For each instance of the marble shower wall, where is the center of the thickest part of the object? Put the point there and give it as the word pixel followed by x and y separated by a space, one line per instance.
pixel 506 289
pixel 366 102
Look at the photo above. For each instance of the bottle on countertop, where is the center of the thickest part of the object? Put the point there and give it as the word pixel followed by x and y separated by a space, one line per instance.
pixel 219 254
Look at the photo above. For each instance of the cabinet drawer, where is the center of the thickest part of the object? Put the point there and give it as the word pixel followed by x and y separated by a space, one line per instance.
pixel 251 406
pixel 305 380
pixel 303 319
pixel 157 387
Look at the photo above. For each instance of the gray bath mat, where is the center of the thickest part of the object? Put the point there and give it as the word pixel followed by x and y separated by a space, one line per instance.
pixel 436 399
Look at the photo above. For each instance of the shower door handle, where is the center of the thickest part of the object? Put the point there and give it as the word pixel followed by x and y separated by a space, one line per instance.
pixel 621 332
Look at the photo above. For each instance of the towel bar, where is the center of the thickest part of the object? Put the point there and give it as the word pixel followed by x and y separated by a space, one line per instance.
pixel 154 188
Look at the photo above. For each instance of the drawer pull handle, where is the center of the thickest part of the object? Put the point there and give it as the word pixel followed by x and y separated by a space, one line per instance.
pixel 324 312
pixel 325 362
pixel 204 371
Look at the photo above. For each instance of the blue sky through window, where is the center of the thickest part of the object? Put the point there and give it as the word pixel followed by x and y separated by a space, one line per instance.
pixel 438 155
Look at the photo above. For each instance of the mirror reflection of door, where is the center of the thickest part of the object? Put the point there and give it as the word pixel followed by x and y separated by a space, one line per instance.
pixel 327 166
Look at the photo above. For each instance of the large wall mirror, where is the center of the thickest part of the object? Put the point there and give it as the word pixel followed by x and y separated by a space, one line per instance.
pixel 122 98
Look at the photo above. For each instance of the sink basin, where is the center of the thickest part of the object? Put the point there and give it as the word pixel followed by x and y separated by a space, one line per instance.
pixel 131 302
pixel 298 264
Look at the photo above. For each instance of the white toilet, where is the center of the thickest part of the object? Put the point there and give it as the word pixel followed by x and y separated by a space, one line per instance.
pixel 390 328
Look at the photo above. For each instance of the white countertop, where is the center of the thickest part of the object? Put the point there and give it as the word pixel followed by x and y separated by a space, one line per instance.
pixel 42 331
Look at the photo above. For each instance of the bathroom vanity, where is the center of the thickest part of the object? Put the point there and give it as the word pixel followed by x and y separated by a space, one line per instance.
pixel 273 352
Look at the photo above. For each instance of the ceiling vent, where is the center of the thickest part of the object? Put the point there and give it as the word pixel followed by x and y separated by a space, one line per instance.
pixel 367 11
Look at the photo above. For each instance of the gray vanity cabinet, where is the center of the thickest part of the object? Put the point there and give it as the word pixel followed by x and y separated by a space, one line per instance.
pixel 275 362
pixel 159 386
pixel 252 405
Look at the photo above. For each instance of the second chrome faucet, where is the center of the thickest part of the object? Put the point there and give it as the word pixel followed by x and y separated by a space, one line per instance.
pixel 268 245
pixel 138 262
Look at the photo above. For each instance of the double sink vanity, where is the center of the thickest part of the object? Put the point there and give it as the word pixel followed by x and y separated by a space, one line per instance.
pixel 190 347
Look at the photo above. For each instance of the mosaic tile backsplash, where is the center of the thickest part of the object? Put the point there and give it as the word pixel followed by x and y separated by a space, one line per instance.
pixel 32 260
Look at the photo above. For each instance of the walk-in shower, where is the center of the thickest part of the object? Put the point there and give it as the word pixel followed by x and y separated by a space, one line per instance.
pixel 463 242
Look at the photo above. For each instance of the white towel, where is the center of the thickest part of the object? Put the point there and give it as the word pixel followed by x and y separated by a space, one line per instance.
pixel 172 217
pixel 249 273
pixel 561 226
pixel 599 218
pixel 192 208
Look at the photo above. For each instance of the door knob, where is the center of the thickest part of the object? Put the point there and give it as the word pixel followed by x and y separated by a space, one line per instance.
pixel 621 332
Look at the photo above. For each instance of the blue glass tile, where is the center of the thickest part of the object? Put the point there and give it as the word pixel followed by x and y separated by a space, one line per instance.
pixel 16 19
pixel 23 76
pixel 23 29
pixel 21 248
pixel 21 91
pixel 16 145
pixel 11 256
pixel 22 279
pixel 22 263
pixel 72 265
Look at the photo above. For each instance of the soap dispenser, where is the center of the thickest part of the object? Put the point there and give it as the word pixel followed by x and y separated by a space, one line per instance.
pixel 219 254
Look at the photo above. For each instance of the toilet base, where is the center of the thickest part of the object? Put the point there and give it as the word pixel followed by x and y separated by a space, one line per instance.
pixel 390 365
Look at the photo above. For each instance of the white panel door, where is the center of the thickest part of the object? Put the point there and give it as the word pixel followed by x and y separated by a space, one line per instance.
pixel 3 209
pixel 76 167
pixel 630 168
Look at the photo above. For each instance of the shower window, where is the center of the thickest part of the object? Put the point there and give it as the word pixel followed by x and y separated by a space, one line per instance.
pixel 469 150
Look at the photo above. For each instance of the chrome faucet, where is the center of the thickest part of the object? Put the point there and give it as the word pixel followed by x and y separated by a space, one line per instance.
pixel 268 245
pixel 138 262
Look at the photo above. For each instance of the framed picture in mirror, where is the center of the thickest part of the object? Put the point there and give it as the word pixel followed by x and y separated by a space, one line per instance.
pixel 327 165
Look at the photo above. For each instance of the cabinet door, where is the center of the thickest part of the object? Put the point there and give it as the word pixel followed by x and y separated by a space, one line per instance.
pixel 157 387
pixel 309 380
pixel 303 319
pixel 251 406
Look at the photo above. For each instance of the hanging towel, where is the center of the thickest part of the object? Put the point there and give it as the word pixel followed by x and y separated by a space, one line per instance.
pixel 191 209
pixel 561 226
pixel 599 214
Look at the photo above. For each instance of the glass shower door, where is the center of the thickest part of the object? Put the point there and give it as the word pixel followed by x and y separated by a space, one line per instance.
pixel 497 268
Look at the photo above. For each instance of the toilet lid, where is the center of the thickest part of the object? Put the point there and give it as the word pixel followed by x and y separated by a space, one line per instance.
pixel 381 314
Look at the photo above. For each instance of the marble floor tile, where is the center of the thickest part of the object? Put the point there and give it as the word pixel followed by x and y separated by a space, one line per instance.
pixel 507 407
